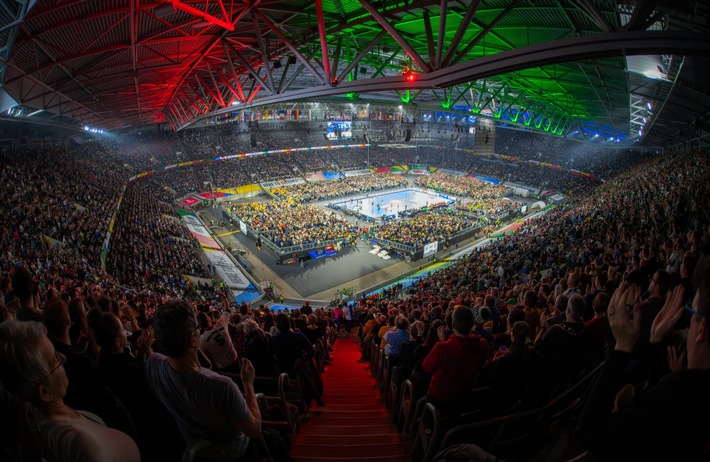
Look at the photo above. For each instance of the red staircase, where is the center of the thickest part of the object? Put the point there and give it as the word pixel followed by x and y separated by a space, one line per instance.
pixel 354 425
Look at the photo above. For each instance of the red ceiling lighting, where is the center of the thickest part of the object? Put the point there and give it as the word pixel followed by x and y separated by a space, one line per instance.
pixel 409 76
pixel 179 6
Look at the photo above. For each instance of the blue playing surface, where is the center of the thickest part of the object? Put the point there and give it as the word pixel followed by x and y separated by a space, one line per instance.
pixel 392 203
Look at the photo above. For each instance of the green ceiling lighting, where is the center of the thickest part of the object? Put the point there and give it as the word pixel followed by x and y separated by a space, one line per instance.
pixel 406 97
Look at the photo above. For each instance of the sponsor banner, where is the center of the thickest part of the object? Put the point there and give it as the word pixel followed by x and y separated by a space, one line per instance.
pixel 195 225
pixel 206 242
pixel 488 179
pixel 315 177
pixel 532 189
pixel 358 172
pixel 451 172
pixel 243 227
pixel 227 270
pixel 286 182
pixel 430 248
pixel 332 175
pixel 249 188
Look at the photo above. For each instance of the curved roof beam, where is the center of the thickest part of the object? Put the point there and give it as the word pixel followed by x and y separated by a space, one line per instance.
pixel 565 50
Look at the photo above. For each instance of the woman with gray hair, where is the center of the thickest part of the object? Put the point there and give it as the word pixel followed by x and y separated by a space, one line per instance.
pixel 33 370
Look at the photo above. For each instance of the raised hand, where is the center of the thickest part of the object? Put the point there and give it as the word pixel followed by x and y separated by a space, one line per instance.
pixel 624 314
pixel 247 372
pixel 669 314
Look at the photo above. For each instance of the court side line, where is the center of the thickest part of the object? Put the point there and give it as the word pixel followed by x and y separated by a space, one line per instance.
pixel 227 234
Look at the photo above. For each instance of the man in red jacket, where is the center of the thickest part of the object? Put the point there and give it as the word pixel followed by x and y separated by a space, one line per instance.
pixel 454 365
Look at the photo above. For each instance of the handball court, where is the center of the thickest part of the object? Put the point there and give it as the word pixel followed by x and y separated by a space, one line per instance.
pixel 353 267
pixel 317 279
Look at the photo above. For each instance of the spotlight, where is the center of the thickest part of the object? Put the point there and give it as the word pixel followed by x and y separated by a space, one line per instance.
pixel 408 74
pixel 277 64
pixel 292 60
pixel 363 70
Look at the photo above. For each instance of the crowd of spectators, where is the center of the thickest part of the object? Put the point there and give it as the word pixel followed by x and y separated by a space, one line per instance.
pixel 603 161
pixel 311 191
pixel 150 246
pixel 620 274
pixel 639 236
pixel 531 174
pixel 85 370
pixel 493 208
pixel 57 206
pixel 422 228
pixel 288 222
pixel 463 186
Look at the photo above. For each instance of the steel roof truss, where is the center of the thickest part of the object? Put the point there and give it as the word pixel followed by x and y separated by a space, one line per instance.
pixel 250 69
pixel 361 55
pixel 377 16
pixel 214 89
pixel 323 40
pixel 639 18
pixel 591 10
pixel 203 94
pixel 264 53
pixel 290 45
pixel 232 72
pixel 336 59
pixel 187 113
pixel 171 114
pixel 193 98
pixel 429 38
pixel 236 93
pixel 298 70
pixel 485 31
pixel 441 35
pixel 384 64
pixel 460 31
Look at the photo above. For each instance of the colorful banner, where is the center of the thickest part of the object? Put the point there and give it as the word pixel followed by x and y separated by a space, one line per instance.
pixel 220 262
pixel 230 273
pixel 248 188
pixel 189 201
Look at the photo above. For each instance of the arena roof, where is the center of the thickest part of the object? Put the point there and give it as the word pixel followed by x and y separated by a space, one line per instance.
pixel 632 70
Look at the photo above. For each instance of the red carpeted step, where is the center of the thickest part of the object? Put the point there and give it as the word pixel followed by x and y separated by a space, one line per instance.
pixel 353 459
pixel 375 412
pixel 369 396
pixel 337 407
pixel 363 430
pixel 362 450
pixel 354 425
pixel 340 420
pixel 345 439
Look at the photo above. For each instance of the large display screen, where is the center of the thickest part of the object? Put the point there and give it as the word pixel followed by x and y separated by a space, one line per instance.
pixel 339 129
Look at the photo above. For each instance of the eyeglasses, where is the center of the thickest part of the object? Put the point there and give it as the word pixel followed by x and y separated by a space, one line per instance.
pixel 61 359
pixel 689 309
